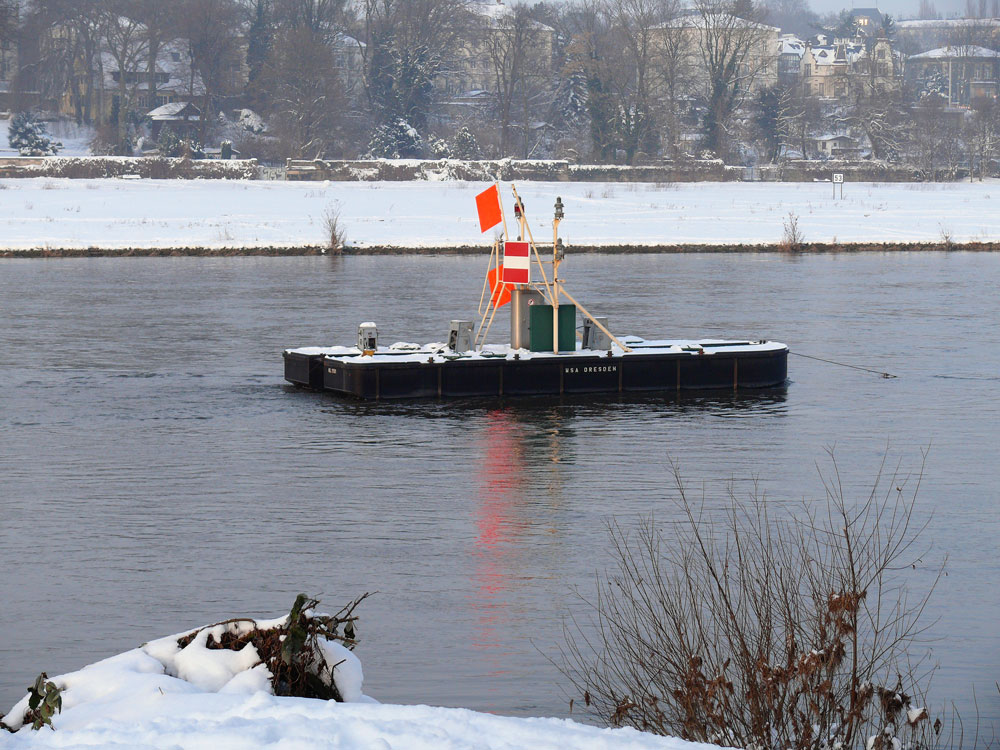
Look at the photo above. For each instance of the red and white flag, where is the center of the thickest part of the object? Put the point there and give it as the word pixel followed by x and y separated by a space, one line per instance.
pixel 516 263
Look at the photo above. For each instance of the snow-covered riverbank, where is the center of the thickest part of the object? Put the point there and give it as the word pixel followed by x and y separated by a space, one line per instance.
pixel 196 698
pixel 55 213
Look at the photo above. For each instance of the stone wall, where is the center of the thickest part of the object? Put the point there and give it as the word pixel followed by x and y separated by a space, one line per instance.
pixel 507 170
pixel 93 167
pixel 803 170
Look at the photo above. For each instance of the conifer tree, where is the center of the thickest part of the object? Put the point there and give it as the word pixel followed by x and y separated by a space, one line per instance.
pixel 28 135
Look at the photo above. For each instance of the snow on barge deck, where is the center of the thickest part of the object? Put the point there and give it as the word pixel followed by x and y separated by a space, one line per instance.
pixel 544 356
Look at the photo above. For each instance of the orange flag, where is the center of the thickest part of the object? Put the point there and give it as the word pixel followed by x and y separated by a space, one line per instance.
pixel 488 205
pixel 499 292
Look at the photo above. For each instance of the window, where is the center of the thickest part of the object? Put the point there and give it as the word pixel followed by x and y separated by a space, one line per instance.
pixel 175 56
pixel 807 69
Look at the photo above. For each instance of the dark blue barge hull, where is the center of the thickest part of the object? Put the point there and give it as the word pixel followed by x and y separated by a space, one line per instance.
pixel 537 376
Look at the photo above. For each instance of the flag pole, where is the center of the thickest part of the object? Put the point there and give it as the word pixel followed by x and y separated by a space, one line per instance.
pixel 526 228
pixel 555 278
pixel 506 236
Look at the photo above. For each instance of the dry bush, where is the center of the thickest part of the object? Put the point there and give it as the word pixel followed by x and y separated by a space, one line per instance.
pixel 752 631
pixel 791 237
pixel 334 229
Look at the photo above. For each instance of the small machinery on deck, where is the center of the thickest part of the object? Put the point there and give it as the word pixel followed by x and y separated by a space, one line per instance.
pixel 545 355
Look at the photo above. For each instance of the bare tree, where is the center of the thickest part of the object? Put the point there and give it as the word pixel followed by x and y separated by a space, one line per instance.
pixel 799 115
pixel 8 20
pixel 674 59
pixel 211 28
pixel 934 139
pixel 642 40
pixel 982 137
pixel 323 17
pixel 928 10
pixel 747 630
pixel 406 44
pixel 124 39
pixel 305 93
pixel 589 61
pixel 161 25
pixel 82 20
pixel 513 41
pixel 735 53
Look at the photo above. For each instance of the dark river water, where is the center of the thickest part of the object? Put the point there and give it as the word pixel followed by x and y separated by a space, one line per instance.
pixel 156 473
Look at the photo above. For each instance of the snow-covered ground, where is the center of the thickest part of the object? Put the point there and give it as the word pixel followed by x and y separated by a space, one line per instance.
pixel 56 213
pixel 219 700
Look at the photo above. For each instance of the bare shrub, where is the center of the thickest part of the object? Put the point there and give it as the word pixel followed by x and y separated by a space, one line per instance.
pixel 334 229
pixel 759 632
pixel 791 238
pixel 946 236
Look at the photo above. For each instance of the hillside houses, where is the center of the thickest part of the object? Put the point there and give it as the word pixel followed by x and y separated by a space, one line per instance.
pixel 527 79
pixel 127 83
pixel 963 75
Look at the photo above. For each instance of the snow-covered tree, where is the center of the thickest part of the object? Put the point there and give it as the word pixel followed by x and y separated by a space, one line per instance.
pixel 169 143
pixel 465 146
pixel 440 149
pixel 396 139
pixel 251 122
pixel 27 134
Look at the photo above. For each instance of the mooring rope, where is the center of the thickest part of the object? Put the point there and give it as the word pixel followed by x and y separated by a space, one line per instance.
pixel 842 364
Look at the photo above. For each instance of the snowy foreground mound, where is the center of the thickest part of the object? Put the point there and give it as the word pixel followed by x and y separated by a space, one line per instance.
pixel 165 696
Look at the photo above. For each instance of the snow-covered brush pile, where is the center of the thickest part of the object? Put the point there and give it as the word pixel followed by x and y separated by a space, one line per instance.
pixel 237 684
pixel 304 654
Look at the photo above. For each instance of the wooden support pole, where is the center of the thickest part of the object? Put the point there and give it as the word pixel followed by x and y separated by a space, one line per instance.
pixel 486 280
pixel 485 333
pixel 506 237
pixel 594 320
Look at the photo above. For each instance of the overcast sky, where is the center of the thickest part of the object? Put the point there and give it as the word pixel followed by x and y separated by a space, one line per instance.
pixel 895 8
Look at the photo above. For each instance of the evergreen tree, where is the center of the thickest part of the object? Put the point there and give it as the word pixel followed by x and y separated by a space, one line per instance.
pixel 396 139
pixel 465 146
pixel 767 114
pixel 572 97
pixel 27 134
pixel 259 39
pixel 168 144
pixel 602 113
pixel 440 149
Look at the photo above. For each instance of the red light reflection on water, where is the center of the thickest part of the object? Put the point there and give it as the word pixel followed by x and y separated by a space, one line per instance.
pixel 501 477
pixel 498 523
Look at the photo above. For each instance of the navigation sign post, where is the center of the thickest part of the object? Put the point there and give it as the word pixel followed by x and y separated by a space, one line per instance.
pixel 838 178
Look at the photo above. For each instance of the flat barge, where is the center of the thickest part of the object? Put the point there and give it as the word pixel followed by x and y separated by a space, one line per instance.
pixel 546 355
pixel 431 372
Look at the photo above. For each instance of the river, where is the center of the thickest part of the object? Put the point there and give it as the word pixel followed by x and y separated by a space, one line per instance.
pixel 157 473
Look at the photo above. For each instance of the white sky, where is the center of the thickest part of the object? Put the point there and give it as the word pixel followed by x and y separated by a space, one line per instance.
pixel 895 8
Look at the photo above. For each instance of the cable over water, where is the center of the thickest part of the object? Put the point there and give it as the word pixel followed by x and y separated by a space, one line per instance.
pixel 842 364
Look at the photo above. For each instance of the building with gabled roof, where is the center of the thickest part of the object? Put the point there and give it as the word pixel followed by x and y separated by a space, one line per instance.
pixel 963 75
